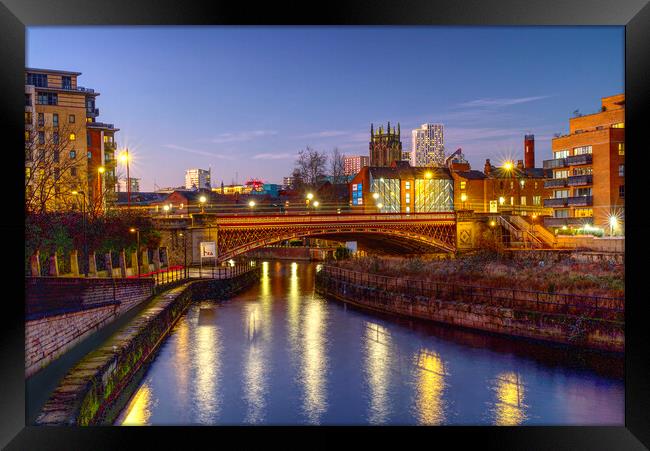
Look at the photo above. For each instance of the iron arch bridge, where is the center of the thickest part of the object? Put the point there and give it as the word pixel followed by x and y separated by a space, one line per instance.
pixel 385 232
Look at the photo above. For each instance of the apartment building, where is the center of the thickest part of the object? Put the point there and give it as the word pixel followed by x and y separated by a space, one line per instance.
pixel 588 171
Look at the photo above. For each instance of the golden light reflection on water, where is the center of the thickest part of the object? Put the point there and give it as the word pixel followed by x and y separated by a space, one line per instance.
pixel 182 361
pixel 258 324
pixel 509 408
pixel 377 371
pixel 206 362
pixel 293 310
pixel 314 361
pixel 139 408
pixel 430 388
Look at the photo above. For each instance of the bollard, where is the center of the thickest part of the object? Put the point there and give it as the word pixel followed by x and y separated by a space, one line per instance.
pixel 156 259
pixel 123 263
pixel 35 263
pixel 92 265
pixel 54 265
pixel 134 263
pixel 109 264
pixel 74 263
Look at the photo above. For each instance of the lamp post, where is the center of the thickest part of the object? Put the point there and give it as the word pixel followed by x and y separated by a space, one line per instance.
pixel 137 249
pixel 463 199
pixel 310 196
pixel 100 172
pixel 613 223
pixel 202 201
pixel 125 159
pixel 83 219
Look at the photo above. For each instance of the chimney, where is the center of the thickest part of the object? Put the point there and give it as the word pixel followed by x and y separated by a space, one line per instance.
pixel 488 167
pixel 520 164
pixel 529 151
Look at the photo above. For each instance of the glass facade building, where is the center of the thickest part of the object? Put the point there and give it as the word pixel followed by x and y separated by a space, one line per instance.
pixel 388 190
pixel 433 195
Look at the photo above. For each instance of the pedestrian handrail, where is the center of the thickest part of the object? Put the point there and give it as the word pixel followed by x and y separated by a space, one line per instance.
pixel 606 306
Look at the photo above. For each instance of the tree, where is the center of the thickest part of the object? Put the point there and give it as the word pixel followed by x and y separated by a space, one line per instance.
pixel 309 169
pixel 53 167
pixel 337 166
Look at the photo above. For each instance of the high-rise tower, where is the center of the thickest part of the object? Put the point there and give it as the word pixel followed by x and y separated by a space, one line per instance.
pixel 385 145
pixel 428 146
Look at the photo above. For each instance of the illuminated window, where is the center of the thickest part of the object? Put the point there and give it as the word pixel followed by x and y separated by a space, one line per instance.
pixel 463 185
pixel 522 183
pixel 73 136
pixel 619 125
pixel 512 200
pixel 561 193
pixel 564 173
pixel 407 185
pixel 535 185
pixel 408 209
pixel 27 137
pixel 28 117
pixel 621 148
pixel 537 200
pixel 582 150
pixel 583 171
pixel 584 212
pixel 512 185
pixel 522 200
pixel 408 198
pixel 28 172
pixel 561 154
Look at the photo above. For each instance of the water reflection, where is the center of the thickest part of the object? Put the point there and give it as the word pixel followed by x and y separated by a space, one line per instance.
pixel 321 363
pixel 314 361
pixel 206 363
pixel 509 408
pixel 377 371
pixel 139 408
pixel 430 387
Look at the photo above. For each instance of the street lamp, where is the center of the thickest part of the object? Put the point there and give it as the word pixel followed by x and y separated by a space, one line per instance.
pixel 124 158
pixel 100 172
pixel 502 200
pixel 375 196
pixel 463 198
pixel 202 201
pixel 310 196
pixel 380 205
pixel 508 165
pixel 83 218
pixel 316 204
pixel 137 249
pixel 251 203
pixel 613 224
pixel 166 209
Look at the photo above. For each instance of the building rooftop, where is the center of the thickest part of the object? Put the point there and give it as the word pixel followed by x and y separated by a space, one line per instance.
pixel 51 71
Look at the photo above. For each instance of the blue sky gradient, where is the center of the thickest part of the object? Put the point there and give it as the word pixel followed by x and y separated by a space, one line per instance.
pixel 245 100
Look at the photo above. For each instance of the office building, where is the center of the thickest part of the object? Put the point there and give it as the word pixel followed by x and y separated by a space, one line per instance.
pixel 197 179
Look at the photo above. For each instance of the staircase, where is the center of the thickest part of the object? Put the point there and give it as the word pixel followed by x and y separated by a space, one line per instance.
pixel 523 234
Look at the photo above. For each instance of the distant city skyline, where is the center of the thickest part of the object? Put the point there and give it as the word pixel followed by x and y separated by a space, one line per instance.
pixel 245 100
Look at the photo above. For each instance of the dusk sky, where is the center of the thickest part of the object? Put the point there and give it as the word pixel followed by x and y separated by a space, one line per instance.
pixel 245 100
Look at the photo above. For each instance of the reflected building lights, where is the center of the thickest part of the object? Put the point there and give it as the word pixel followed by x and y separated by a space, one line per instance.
pixel 430 387
pixel 377 372
pixel 509 408
pixel 139 409
pixel 206 362
pixel 315 360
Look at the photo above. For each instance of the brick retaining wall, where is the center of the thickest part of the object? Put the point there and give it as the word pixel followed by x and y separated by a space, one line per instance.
pixel 60 312
pixel 568 329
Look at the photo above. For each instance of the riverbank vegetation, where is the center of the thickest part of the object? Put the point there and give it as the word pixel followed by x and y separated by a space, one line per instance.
pixel 498 270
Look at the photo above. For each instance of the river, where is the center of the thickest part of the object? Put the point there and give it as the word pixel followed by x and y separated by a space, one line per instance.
pixel 280 354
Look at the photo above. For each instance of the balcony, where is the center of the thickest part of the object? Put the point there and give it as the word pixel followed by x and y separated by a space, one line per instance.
pixel 555 183
pixel 556 202
pixel 580 180
pixel 580 201
pixel 556 163
pixel 579 159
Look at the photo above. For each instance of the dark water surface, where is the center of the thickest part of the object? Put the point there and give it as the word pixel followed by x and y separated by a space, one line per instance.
pixel 280 354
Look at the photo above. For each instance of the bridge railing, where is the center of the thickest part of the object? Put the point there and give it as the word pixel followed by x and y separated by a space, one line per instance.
pixel 207 218
pixel 539 301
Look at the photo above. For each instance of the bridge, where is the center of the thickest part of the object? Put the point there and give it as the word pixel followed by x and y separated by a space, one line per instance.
pixel 383 232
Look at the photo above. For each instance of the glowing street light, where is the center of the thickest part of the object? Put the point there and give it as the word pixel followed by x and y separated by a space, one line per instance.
pixel 502 200
pixel 493 223
pixel 202 201
pixel 124 158
pixel 380 205
pixel 251 203
pixel 166 209
pixel 316 204
pixel 310 196
pixel 508 166
pixel 137 249
pixel 613 224
pixel 428 174
pixel 375 196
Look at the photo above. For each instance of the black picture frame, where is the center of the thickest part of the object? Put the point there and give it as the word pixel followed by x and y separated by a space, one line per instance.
pixel 15 15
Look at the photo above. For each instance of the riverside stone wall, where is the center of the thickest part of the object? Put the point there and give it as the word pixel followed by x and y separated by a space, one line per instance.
pixel 94 391
pixel 575 328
